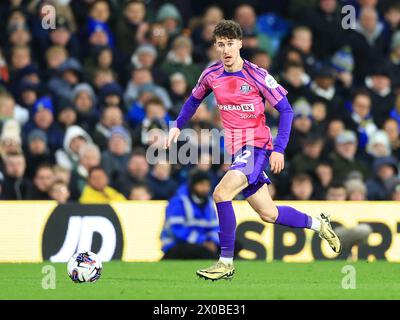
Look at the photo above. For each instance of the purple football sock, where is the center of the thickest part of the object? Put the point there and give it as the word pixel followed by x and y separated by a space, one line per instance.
pixel 227 228
pixel 293 218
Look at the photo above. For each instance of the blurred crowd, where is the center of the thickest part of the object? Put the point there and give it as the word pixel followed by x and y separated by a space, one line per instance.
pixel 82 100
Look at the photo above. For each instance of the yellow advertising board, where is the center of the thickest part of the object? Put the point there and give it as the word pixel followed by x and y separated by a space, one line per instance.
pixel 37 231
pixel 21 230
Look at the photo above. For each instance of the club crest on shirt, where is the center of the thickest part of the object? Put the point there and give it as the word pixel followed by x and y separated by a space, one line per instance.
pixel 245 88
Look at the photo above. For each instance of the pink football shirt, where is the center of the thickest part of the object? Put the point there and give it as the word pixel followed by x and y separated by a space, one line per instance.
pixel 241 98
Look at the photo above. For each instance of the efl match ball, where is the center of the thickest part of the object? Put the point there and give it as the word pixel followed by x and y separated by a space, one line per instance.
pixel 84 267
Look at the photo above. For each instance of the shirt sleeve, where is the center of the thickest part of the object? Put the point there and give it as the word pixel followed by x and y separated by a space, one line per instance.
pixel 269 88
pixel 285 125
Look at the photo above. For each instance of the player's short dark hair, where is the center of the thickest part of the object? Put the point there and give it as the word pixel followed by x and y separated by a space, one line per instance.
pixel 228 29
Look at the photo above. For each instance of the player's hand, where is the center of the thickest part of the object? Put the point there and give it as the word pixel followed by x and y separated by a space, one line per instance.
pixel 172 136
pixel 277 162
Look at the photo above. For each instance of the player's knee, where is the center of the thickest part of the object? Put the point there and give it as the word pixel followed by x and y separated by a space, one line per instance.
pixel 221 194
pixel 268 214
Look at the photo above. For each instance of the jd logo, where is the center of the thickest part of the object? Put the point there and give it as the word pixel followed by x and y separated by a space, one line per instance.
pixel 75 228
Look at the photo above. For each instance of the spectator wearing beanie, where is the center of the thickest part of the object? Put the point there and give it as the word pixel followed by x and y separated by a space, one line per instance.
pixel 37 152
pixel 344 158
pixel 84 101
pixel 43 118
pixel 69 74
pixel 115 159
pixel 385 172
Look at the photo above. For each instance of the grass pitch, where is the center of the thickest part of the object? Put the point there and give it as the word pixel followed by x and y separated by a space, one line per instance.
pixel 177 280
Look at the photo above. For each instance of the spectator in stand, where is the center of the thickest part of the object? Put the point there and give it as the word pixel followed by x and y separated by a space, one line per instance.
pixel 10 139
pixel 97 190
pixel 68 156
pixel 302 124
pixel 202 34
pixel 20 58
pixel 161 184
pixel 356 190
pixel 111 117
pixel 55 56
pixel 336 192
pixel 179 59
pixel 180 91
pixel 394 64
pixel 245 15
pixel 368 42
pixel 42 182
pixel 145 57
pixel 28 94
pixel 344 158
pixel 323 88
pixel 63 36
pixel 132 26
pixel 380 185
pixel 140 191
pixel 169 16
pixel 359 118
pixel 84 101
pixel 59 192
pixel 98 29
pixel 61 174
pixel 296 82
pixel 299 49
pixel 156 119
pixel 378 146
pixel 183 237
pixel 159 38
pixel 324 174
pixel 37 152
pixel 325 24
pixel 67 116
pixel 10 110
pixel 302 187
pixel 69 75
pixel 395 196
pixel 392 130
pixel 89 157
pixel 101 77
pixel 142 81
pixel 308 160
pixel 115 159
pixel 382 96
pixel 43 118
pixel 15 186
pixel 136 172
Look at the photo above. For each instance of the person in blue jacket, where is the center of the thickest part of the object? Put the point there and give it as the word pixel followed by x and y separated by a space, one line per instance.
pixel 191 226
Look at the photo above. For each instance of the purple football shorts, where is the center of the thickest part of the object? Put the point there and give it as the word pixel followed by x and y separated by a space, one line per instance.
pixel 252 161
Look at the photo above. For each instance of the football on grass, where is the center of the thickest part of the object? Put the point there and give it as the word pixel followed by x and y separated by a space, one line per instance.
pixel 84 267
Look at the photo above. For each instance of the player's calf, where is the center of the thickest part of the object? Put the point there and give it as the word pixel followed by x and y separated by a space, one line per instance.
pixel 268 214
